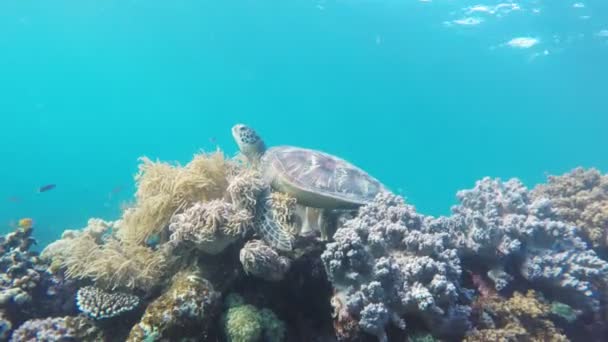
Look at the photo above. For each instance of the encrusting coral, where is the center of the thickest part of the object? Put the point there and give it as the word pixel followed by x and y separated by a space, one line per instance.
pixel 385 263
pixel 187 307
pixel 57 329
pixel 580 198
pixel 99 304
pixel 520 318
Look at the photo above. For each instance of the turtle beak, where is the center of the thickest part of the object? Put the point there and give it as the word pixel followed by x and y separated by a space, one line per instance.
pixel 235 129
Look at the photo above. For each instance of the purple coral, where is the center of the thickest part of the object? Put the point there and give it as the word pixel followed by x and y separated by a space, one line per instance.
pixel 498 222
pixel 386 263
pixel 57 329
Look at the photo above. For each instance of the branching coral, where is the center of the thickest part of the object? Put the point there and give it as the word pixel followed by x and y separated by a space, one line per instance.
pixel 164 189
pixel 497 223
pixel 99 304
pixel 520 318
pixel 20 269
pixel 189 303
pixel 210 226
pixel 580 198
pixel 386 263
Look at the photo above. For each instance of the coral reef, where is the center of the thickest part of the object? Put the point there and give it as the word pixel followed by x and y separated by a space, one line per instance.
pixel 187 307
pixel 262 261
pixel 246 323
pixel 499 224
pixel 580 198
pixel 57 329
pixel 194 230
pixel 99 304
pixel 386 263
pixel 520 318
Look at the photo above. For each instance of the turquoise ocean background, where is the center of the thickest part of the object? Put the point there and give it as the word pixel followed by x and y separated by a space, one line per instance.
pixel 426 96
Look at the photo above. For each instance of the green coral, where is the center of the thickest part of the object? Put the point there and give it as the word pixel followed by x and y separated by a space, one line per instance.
pixel 421 338
pixel 246 323
pixel 564 311
pixel 274 329
pixel 243 324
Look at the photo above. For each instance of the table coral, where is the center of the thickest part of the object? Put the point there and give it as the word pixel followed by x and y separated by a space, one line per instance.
pixel 580 197
pixel 386 263
pixel 99 304
pixel 187 307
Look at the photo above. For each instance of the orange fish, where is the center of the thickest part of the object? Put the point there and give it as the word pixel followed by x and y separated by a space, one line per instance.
pixel 26 223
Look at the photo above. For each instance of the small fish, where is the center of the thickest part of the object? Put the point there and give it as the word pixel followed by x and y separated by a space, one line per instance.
pixel 26 223
pixel 14 199
pixel 47 187
pixel 213 140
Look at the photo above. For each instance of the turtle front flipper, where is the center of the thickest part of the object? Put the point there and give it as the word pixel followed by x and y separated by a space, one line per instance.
pixel 272 230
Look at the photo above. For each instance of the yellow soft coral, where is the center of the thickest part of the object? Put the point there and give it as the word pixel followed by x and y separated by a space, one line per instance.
pixel 113 264
pixel 164 189
pixel 580 198
pixel 520 318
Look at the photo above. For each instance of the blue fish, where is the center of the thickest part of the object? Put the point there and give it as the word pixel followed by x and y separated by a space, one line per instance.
pixel 47 187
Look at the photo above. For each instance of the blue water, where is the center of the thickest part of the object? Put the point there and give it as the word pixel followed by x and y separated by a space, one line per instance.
pixel 401 88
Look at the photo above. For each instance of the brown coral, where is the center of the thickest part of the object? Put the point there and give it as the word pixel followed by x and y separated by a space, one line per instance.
pixel 283 210
pixel 520 318
pixel 580 198
pixel 186 307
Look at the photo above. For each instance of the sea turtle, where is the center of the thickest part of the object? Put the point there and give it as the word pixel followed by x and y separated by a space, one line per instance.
pixel 314 178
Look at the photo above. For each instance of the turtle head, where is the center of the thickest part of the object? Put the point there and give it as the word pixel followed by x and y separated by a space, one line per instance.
pixel 249 142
